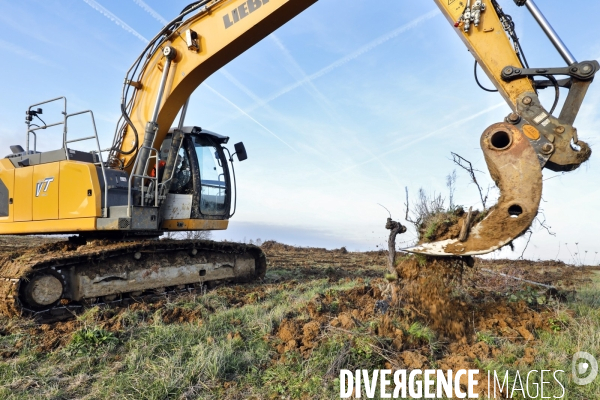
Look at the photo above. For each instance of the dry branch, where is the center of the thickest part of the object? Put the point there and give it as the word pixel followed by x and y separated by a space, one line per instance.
pixel 467 166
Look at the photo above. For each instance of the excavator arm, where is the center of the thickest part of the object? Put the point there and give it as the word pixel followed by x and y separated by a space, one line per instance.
pixel 489 45
pixel 529 139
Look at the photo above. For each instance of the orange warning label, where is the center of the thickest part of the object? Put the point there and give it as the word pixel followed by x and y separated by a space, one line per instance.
pixel 531 132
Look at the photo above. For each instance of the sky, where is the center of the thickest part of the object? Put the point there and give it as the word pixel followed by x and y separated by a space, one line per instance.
pixel 340 110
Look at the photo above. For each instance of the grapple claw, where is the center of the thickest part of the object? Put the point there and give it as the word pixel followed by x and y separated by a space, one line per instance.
pixel 516 170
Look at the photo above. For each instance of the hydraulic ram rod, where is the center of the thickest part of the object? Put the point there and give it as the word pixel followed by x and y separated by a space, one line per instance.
pixel 548 30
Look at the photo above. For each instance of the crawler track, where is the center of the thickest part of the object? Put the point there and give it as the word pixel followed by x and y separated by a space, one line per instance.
pixel 122 272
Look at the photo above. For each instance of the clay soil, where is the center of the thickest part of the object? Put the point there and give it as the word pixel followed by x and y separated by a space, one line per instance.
pixel 432 316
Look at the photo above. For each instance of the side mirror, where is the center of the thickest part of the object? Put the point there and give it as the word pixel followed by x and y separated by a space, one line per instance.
pixel 240 150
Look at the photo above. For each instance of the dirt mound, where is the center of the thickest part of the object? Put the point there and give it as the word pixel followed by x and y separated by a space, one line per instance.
pixel 443 316
pixel 274 246
pixel 448 297
pixel 334 310
pixel 426 285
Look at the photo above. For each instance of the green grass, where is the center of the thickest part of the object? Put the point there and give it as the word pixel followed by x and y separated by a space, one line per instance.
pixel 430 230
pixel 424 333
pixel 153 360
pixel 89 340
pixel 555 348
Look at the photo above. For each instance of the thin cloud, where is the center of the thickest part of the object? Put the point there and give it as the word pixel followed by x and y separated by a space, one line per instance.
pixel 323 101
pixel 301 74
pixel 352 56
pixel 421 138
pixel 276 114
pixel 249 116
pixel 115 19
pixel 150 11
pixel 18 23
pixel 239 85
pixel 362 50
pixel 13 48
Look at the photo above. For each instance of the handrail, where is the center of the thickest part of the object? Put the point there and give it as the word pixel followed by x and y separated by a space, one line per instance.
pixel 101 161
pixel 45 126
pixel 143 177
pixel 65 141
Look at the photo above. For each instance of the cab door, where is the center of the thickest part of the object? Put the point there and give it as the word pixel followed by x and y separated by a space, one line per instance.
pixel 201 174
pixel 214 177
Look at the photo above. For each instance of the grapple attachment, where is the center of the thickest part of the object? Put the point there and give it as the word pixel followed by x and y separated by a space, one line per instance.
pixel 515 167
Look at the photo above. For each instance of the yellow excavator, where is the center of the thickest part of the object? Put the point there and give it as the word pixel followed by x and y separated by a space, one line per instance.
pixel 156 178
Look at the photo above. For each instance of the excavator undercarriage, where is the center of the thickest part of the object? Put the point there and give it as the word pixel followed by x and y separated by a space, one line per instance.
pixel 57 280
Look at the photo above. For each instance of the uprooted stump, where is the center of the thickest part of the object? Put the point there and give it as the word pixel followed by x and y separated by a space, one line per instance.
pixel 453 224
pixel 391 292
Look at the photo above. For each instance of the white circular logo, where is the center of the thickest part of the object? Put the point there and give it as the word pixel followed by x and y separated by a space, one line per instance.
pixel 582 368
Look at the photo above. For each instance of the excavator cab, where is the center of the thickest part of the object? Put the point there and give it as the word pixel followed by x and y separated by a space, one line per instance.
pixel 197 169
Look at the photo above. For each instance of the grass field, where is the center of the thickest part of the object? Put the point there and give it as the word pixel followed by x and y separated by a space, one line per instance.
pixel 316 312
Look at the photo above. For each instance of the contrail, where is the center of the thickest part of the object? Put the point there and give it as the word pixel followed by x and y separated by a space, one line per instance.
pixel 150 11
pixel 249 116
pixel 239 84
pixel 115 19
pixel 421 138
pixel 13 48
pixel 301 74
pixel 364 49
pixel 323 101
pixel 276 114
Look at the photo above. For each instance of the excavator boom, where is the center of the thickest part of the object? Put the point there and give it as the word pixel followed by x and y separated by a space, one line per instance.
pixel 220 31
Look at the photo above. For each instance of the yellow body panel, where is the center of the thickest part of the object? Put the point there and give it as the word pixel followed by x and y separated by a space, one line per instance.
pixel 52 191
pixel 49 226
pixel 23 194
pixel 46 179
pixel 76 178
pixel 8 178
pixel 6 165
pixel 490 46
pixel 195 224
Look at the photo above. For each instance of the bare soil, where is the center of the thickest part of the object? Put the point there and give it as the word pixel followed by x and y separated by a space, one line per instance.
pixel 454 301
